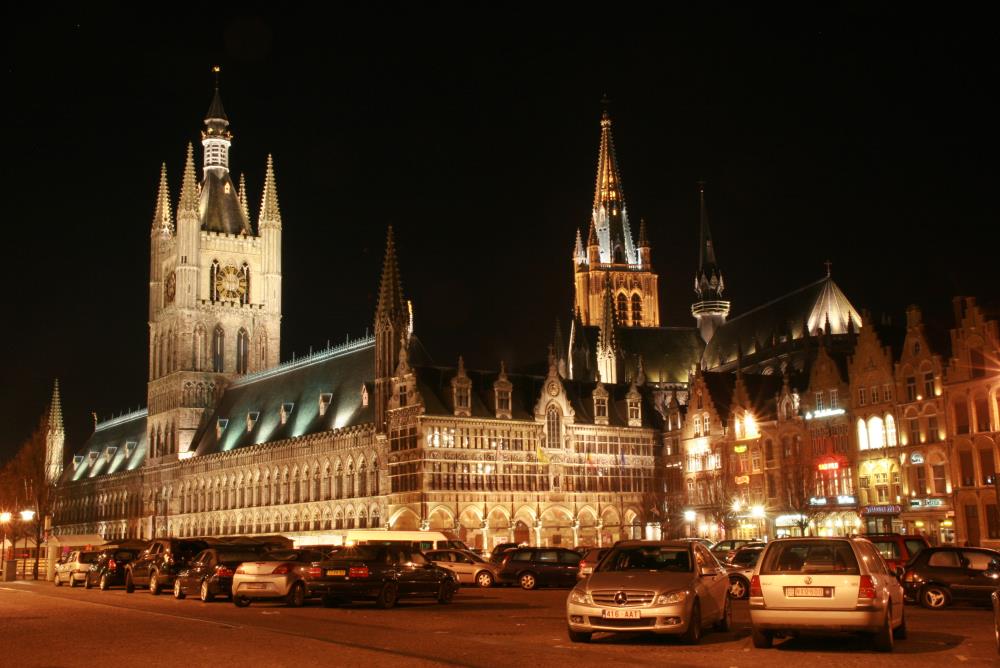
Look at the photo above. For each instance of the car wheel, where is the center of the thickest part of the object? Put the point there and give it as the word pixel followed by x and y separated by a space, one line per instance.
pixel 104 583
pixel 72 580
pixel 446 592
pixel 154 583
pixel 762 639
pixel 178 590
pixel 882 641
pixel 725 623
pixel 129 583
pixel 900 631
pixel 241 601
pixel 297 596
pixel 58 581
pixel 527 581
pixel 738 587
pixel 86 582
pixel 692 636
pixel 206 594
pixel 484 579
pixel 578 636
pixel 387 597
pixel 934 597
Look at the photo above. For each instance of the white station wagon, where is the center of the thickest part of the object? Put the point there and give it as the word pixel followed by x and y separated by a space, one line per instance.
pixel 825 584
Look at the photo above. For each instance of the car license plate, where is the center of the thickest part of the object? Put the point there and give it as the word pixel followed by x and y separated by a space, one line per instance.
pixel 254 585
pixel 620 614
pixel 809 592
pixel 337 572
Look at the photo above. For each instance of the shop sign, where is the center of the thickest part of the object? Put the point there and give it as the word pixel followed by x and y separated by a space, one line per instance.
pixel 888 509
pixel 829 466
pixel 817 501
pixel 742 480
pixel 926 503
pixel 828 412
pixel 740 449
pixel 916 458
pixel 846 500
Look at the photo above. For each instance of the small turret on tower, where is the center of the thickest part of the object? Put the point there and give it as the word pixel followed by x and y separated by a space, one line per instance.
pixel 163 220
pixel 55 438
pixel 645 251
pixel 710 310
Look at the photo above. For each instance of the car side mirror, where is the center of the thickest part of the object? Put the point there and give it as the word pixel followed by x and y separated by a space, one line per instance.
pixel 708 570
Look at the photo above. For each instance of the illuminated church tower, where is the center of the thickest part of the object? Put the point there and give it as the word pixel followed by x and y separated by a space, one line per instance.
pixel 611 258
pixel 214 290
pixel 711 309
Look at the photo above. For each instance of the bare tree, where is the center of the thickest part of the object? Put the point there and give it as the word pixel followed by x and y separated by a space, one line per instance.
pixel 799 485
pixel 24 478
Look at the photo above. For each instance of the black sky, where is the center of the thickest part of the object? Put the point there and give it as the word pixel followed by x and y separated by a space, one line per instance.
pixel 861 136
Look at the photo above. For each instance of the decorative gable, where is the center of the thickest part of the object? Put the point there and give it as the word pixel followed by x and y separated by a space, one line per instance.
pixel 502 389
pixel 600 397
pixel 461 391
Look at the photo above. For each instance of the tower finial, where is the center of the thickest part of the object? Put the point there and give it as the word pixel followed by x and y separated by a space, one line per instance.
pixel 270 213
pixel 216 69
pixel 163 223
pixel 242 195
pixel 189 186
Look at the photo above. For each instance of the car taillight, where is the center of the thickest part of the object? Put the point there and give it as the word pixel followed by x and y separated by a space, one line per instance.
pixel 223 572
pixel 866 587
pixel 112 565
pixel 360 572
pixel 283 569
pixel 315 572
pixel 755 589
pixel 240 571
pixel 583 564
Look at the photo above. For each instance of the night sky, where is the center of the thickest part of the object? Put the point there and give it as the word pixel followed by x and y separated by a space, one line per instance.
pixel 864 137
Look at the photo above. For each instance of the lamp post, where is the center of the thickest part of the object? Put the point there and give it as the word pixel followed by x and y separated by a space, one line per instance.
pixel 26 516
pixel 5 518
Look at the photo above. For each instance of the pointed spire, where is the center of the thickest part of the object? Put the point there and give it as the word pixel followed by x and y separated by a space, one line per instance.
pixel 55 409
pixel 609 323
pixel 163 220
pixel 390 293
pixel 270 213
pixel 189 186
pixel 643 238
pixel 592 238
pixel 609 210
pixel 242 196
pixel 579 255
pixel 708 281
pixel 215 109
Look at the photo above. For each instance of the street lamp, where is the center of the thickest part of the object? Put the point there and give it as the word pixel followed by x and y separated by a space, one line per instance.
pixel 26 516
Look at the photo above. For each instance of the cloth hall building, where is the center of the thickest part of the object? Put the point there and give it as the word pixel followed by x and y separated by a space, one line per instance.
pixel 789 418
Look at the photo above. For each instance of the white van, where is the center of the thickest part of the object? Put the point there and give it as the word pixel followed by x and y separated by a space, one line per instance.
pixel 422 540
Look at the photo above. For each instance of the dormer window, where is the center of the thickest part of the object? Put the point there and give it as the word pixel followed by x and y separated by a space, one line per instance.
pixel 92 456
pixel 286 410
pixel 252 417
pixel 129 448
pixel 462 397
pixel 634 413
pixel 364 396
pixel 461 389
pixel 220 426
pixel 503 401
pixel 402 395
pixel 110 452
pixel 501 392
pixel 600 404
pixel 326 398
pixel 77 460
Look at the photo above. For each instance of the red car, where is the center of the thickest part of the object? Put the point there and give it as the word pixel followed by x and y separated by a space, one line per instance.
pixel 897 549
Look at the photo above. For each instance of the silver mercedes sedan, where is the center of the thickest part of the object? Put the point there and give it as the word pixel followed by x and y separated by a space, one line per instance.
pixel 671 588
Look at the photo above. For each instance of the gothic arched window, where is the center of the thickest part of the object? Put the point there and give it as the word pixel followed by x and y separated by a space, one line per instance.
pixel 622 309
pixel 636 310
pixel 242 351
pixel 199 353
pixel 218 349
pixel 553 423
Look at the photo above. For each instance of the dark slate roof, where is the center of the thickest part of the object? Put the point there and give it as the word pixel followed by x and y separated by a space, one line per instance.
pixel 341 372
pixel 783 317
pixel 668 353
pixel 761 389
pixel 434 384
pixel 221 211
pixel 215 109
pixel 95 458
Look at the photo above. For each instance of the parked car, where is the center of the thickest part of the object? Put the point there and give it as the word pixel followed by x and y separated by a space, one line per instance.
pixel 897 549
pixel 210 574
pixel 108 569
pixel 740 570
pixel 825 584
pixel 73 568
pixel 671 588
pixel 380 573
pixel 725 549
pixel 533 567
pixel 468 567
pixel 996 617
pixel 938 576
pixel 591 558
pixel 158 565
pixel 277 575
pixel 707 542
pixel 496 556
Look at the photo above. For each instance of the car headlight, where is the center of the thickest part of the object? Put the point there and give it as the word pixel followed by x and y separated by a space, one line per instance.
pixel 579 597
pixel 671 598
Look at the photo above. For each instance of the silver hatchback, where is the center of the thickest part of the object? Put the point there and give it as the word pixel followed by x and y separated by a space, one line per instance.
pixel 825 584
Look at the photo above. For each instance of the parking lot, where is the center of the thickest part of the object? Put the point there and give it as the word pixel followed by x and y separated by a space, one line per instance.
pixel 41 625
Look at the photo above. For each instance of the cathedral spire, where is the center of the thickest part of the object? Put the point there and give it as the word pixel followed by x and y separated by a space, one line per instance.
pixel 392 332
pixel 216 137
pixel 270 214
pixel 391 304
pixel 710 310
pixel 55 438
pixel 610 215
pixel 189 186
pixel 579 254
pixel 163 221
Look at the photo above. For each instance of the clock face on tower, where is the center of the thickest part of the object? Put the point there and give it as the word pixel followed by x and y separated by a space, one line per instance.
pixel 230 283
pixel 170 288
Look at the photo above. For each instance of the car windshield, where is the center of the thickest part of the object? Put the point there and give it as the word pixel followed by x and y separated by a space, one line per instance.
pixel 647 558
pixel 88 557
pixel 815 556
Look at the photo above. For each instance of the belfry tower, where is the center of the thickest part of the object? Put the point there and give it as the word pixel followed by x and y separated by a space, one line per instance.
pixel 392 330
pixel 611 258
pixel 214 289
pixel 711 309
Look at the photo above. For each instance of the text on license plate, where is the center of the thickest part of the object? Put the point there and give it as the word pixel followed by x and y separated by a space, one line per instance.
pixel 254 585
pixel 336 572
pixel 809 592
pixel 620 614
